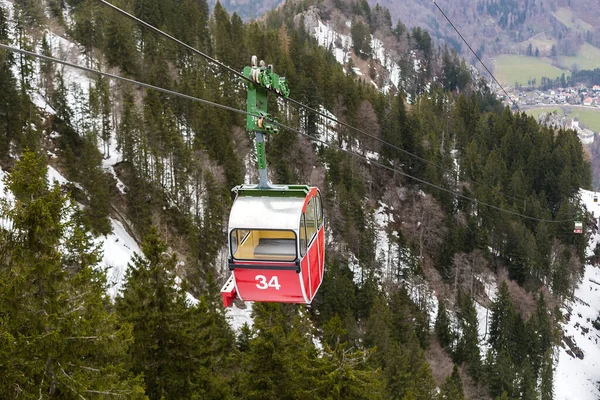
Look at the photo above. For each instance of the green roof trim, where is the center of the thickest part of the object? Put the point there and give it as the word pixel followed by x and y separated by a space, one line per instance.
pixel 278 191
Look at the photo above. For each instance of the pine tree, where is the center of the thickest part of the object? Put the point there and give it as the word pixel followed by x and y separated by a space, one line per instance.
pixel 223 42
pixel 547 375
pixel 120 47
pixel 97 184
pixel 528 383
pixel 280 358
pixel 442 326
pixel 540 326
pixel 176 346
pixel 502 321
pixel 46 69
pixel 11 100
pixel 87 27
pixel 501 374
pixel 61 340
pixel 452 389
pixel 467 348
pixel 344 373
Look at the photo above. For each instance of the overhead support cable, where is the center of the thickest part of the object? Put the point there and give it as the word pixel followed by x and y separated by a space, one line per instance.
pixel 120 78
pixel 232 109
pixel 296 102
pixel 475 54
pixel 424 181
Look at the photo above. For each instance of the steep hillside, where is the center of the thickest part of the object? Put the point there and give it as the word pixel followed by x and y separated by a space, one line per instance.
pixel 493 27
pixel 505 26
pixel 450 240
pixel 558 34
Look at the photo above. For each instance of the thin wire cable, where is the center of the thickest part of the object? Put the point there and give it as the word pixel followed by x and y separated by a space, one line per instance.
pixel 422 180
pixel 475 54
pixel 207 102
pixel 187 46
pixel 120 78
pixel 298 103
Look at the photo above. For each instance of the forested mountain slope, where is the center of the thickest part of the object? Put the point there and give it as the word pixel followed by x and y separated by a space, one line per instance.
pixel 491 27
pixel 461 210
pixel 505 26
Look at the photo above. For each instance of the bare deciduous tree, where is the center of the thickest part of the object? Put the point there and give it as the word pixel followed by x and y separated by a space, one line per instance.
pixel 423 223
pixel 368 122
pixel 466 267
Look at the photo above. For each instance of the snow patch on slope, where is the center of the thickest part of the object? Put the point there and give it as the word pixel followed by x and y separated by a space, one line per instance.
pixel 339 44
pixel 118 248
pixel 240 316
pixel 341 48
pixel 575 378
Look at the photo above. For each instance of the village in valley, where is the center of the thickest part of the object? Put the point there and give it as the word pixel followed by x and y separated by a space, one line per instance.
pixel 576 108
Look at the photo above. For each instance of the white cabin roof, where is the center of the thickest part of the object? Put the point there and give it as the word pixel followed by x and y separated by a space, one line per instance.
pixel 266 213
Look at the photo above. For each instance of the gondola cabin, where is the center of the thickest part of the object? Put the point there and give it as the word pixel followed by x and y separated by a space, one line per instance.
pixel 578 227
pixel 276 245
pixel 595 198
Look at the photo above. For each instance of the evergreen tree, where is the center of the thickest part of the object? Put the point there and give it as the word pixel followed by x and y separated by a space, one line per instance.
pixel 11 101
pixel 59 338
pixel 177 347
pixel 452 389
pixel 361 39
pixel 442 326
pixel 467 346
pixel 97 184
pixel 280 358
pixel 502 321
pixel 528 384
pixel 87 27
pixel 120 47
pixel 344 373
pixel 501 374
pixel 547 375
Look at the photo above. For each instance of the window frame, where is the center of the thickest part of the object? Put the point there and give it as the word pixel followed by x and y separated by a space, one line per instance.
pixel 302 227
pixel 249 230
pixel 313 233
pixel 319 210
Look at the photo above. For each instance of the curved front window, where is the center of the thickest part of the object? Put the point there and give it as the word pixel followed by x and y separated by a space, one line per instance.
pixel 263 245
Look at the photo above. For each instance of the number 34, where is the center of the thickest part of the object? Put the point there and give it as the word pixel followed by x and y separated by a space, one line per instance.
pixel 262 282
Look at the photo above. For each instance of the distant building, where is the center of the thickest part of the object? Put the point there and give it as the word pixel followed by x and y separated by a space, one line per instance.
pixel 588 101
pixel 596 88
pixel 575 123
pixel 586 136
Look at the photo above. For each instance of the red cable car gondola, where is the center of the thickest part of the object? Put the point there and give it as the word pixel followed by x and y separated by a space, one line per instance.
pixel 276 234
pixel 276 245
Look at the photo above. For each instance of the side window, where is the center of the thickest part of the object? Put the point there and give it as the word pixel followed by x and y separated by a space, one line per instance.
pixel 235 243
pixel 303 241
pixel 311 222
pixel 237 238
pixel 319 209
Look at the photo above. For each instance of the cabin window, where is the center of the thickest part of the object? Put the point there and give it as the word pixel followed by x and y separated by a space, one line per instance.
pixel 237 237
pixel 319 210
pixel 303 241
pixel 264 245
pixel 311 222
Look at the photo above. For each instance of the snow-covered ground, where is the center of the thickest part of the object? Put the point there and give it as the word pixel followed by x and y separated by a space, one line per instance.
pixel 118 249
pixel 579 379
pixel 341 47
pixel 240 316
